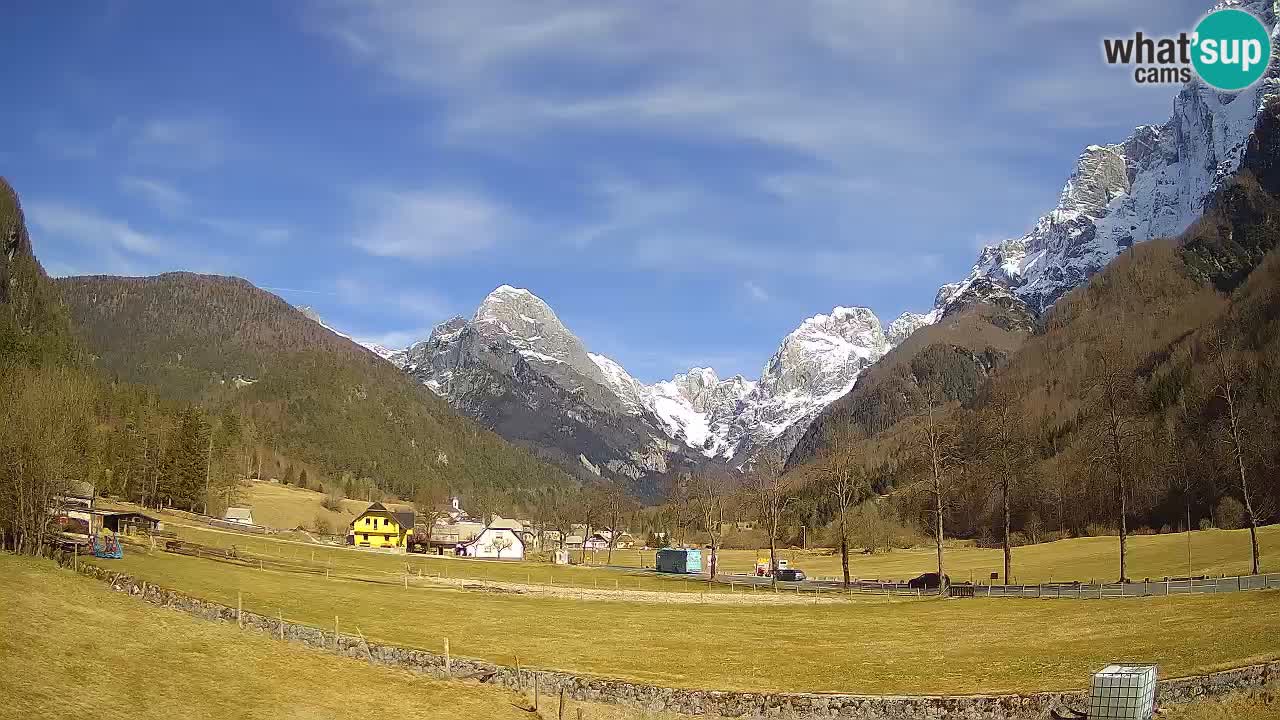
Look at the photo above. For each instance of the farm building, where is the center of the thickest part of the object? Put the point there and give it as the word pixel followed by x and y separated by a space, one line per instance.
pixel 679 560
pixel 502 539
pixel 238 515
pixel 127 522
pixel 378 527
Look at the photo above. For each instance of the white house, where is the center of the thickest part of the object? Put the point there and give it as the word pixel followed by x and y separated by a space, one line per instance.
pixel 502 540
pixel 239 515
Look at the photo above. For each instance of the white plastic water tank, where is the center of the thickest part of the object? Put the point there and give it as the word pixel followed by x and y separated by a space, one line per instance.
pixel 1123 692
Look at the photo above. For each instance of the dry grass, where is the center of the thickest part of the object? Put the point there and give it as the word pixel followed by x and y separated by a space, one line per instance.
pixel 1259 705
pixel 931 646
pixel 1213 552
pixel 351 561
pixel 75 649
pixel 285 507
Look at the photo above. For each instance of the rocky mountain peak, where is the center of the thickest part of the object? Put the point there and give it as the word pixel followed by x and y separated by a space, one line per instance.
pixel 903 325
pixel 823 348
pixel 517 307
pixel 1152 184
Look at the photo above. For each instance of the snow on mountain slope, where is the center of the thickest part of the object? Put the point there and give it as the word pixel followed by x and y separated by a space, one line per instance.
pixel 520 342
pixel 381 351
pixel 1152 184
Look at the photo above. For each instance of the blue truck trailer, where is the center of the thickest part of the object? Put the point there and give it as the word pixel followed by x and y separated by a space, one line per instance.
pixel 685 561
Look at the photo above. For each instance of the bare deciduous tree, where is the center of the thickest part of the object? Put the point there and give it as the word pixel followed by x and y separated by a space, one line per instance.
pixel 615 504
pixel 710 501
pixel 500 543
pixel 1005 453
pixel 847 483
pixel 45 415
pixel 937 448
pixel 430 500
pixel 771 498
pixel 1115 432
pixel 1227 369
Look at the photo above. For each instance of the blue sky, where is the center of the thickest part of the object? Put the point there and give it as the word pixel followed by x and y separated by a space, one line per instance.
pixel 682 181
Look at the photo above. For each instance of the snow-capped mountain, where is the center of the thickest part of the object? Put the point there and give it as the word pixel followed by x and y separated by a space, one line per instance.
pixel 516 367
pixel 595 414
pixel 1152 184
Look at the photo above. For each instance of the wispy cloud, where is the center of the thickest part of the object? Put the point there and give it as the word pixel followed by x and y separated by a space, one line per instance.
pixel 69 144
pixel 159 194
pixel 395 339
pixel 89 228
pixel 756 292
pixel 194 142
pixel 261 233
pixel 367 292
pixel 428 224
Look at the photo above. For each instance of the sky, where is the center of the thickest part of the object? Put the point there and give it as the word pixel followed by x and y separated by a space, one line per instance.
pixel 683 182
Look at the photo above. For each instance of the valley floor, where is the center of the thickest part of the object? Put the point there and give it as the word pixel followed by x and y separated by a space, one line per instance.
pixel 73 648
pixel 901 647
pixel 88 651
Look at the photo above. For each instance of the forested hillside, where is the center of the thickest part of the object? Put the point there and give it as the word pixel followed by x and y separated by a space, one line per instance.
pixel 295 388
pixel 1146 398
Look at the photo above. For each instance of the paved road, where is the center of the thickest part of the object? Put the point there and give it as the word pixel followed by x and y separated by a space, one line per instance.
pixel 1174 586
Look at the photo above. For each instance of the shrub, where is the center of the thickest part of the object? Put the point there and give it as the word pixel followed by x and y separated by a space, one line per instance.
pixel 322 525
pixel 332 499
pixel 1205 524
pixel 1099 530
pixel 1231 514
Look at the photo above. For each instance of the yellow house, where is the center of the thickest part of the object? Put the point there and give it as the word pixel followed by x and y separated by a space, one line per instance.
pixel 379 527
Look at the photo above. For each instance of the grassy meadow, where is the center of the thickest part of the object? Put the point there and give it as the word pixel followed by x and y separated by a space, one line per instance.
pixel 1213 552
pixel 867 646
pixel 95 653
pixel 285 507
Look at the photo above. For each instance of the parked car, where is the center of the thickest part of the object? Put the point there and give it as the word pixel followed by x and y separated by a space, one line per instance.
pixel 791 574
pixel 928 581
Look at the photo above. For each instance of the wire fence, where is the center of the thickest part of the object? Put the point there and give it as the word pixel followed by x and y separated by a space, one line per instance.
pixel 1147 588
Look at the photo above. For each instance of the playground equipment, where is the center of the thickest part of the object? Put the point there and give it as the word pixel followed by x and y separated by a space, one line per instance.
pixel 105 545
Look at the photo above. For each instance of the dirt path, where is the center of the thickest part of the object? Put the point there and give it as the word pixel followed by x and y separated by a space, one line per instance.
pixel 746 597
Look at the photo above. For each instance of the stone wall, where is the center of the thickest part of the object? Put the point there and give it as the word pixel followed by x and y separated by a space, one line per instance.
pixel 1034 706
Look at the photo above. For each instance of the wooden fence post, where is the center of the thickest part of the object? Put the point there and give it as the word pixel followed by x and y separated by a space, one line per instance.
pixel 239 608
pixel 367 652
pixel 564 701
pixel 448 669
pixel 335 632
pixel 281 615
pixel 537 690
pixel 519 680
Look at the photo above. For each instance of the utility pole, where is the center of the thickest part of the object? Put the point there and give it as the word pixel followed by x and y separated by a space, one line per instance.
pixel 1188 542
pixel 208 465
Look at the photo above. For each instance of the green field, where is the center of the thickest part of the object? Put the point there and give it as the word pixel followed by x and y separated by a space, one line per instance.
pixel 1214 552
pixel 868 646
pixel 349 562
pixel 99 651
pixel 90 652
